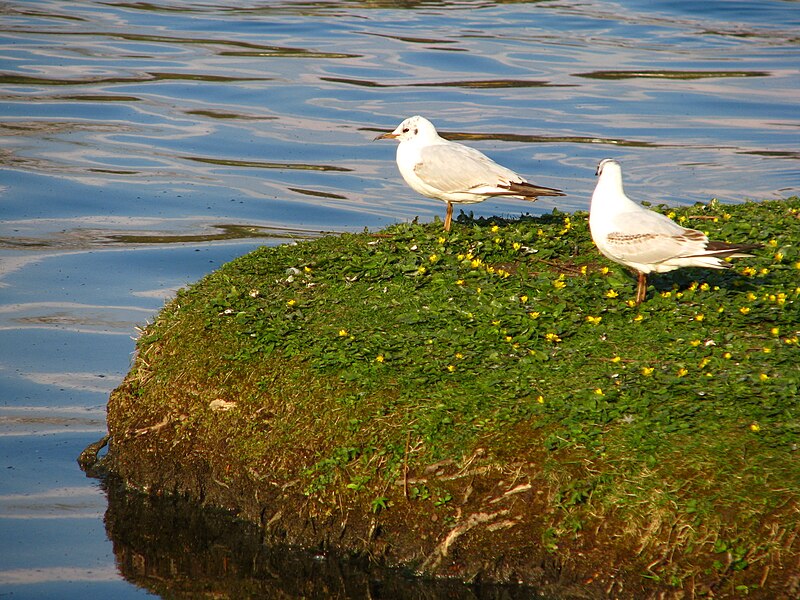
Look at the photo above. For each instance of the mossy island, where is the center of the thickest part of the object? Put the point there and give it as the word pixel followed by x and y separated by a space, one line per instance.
pixel 489 405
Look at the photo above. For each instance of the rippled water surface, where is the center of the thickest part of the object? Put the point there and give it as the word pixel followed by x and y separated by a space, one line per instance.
pixel 144 144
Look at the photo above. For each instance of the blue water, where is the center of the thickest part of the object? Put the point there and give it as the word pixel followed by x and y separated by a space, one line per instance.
pixel 128 125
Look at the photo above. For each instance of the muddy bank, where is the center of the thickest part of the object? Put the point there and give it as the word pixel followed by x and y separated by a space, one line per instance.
pixel 171 546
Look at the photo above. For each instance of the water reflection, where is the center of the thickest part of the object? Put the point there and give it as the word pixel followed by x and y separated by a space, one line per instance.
pixel 172 548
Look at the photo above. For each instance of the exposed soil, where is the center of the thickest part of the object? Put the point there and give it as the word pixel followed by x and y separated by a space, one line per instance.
pixel 493 534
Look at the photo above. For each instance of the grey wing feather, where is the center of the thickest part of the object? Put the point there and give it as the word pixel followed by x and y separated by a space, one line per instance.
pixel 648 237
pixel 457 168
pixel 650 248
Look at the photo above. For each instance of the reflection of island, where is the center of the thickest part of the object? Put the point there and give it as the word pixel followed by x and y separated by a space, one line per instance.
pixel 172 548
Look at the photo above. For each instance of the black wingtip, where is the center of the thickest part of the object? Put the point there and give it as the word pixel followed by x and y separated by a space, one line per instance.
pixel 532 190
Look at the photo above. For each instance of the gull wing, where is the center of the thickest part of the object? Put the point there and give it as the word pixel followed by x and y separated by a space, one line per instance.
pixel 653 248
pixel 455 168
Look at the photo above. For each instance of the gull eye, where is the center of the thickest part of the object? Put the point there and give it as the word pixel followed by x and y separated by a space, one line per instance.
pixel 405 129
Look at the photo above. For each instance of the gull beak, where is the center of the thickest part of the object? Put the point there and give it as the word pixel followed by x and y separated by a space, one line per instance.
pixel 386 136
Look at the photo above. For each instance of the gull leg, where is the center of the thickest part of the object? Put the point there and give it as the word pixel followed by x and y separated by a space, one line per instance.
pixel 448 217
pixel 641 288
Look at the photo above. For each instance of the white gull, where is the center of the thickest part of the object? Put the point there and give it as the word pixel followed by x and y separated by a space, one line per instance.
pixel 647 241
pixel 457 174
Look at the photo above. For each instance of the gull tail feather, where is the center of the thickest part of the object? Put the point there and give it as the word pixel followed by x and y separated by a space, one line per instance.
pixel 529 191
pixel 724 249
pixel 716 251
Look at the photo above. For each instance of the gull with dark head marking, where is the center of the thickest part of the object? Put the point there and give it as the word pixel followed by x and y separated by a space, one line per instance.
pixel 457 174
pixel 647 241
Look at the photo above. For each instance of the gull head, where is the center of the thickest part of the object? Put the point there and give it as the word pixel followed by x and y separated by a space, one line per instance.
pixel 609 166
pixel 412 128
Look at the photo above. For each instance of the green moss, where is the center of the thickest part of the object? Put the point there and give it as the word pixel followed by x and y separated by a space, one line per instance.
pixel 357 361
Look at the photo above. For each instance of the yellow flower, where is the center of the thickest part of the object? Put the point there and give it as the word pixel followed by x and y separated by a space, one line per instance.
pixel 764 271
pixel 594 320
pixel 766 350
pixel 343 333
pixel 666 294
pixel 611 294
pixel 459 355
pixel 775 331
pixel 638 318
pixel 433 258
pixel 379 358
pixel 459 282
pixel 744 310
pixel 451 368
pixel 682 372
pixel 749 271
pixel 704 287
pixel 523 299
pixel 508 338
pixel 558 284
pixel 695 343
pixel 307 269
pixel 727 355
pixel 693 286
pixel 540 399
pixel 630 303
pixel 605 270
pixel 599 392
pixel 476 262
pixel 534 315
pixel 584 269
pixel 751 296
pixel 778 257
pixel 763 377
pixel 552 337
pixel 616 359
pixel 441 240
pixel 773 243
pixel 682 219
pixel 422 270
pixel 755 427
pixel 671 214
pixel 495 228
pixel 797 265
pixel 704 362
pixel 647 371
pixel 496 322
pixel 516 245
pixel 699 317
pixel 291 302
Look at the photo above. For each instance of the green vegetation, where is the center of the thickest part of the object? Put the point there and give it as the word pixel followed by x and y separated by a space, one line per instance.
pixel 354 368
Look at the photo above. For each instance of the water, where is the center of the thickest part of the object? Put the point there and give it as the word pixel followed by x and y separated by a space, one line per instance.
pixel 145 144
